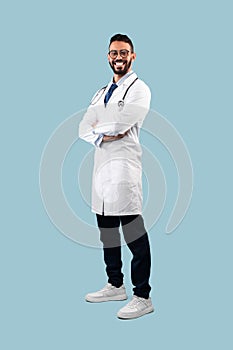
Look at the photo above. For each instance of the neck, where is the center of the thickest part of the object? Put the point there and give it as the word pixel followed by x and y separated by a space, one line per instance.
pixel 117 77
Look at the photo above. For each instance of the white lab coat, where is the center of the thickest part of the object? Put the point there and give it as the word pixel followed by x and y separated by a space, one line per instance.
pixel 117 173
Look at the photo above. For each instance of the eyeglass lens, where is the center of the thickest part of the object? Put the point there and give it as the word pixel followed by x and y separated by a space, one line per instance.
pixel 123 53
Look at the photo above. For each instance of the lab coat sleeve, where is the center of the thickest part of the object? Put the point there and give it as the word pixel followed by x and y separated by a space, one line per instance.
pixel 136 107
pixel 87 128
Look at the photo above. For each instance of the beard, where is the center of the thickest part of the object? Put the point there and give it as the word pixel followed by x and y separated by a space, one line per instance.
pixel 120 70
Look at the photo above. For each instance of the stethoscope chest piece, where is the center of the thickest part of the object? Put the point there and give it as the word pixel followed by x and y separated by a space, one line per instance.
pixel 121 104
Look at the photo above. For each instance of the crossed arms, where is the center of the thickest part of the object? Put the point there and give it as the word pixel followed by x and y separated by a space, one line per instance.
pixel 101 124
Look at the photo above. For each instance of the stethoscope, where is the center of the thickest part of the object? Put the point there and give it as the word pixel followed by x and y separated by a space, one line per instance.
pixel 100 93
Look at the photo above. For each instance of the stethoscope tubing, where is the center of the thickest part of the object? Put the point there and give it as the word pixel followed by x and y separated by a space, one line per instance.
pixel 120 102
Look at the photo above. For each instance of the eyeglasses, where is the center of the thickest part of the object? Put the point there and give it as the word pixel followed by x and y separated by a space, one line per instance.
pixel 114 53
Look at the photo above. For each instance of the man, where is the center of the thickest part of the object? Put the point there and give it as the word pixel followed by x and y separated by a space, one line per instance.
pixel 112 123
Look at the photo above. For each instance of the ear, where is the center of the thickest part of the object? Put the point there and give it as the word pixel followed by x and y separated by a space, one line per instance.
pixel 134 56
pixel 108 57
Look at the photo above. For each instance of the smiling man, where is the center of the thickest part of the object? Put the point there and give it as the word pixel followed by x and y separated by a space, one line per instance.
pixel 122 65
pixel 112 124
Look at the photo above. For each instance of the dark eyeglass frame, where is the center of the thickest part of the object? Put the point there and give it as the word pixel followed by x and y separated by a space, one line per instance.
pixel 123 53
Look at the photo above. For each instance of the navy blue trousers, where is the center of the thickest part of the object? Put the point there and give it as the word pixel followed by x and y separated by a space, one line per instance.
pixel 137 240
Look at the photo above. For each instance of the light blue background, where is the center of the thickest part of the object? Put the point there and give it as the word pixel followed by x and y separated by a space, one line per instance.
pixel 53 58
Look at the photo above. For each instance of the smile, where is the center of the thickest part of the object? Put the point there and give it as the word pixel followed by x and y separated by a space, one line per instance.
pixel 119 64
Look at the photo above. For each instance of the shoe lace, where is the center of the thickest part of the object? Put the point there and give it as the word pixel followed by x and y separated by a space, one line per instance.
pixel 134 302
pixel 107 287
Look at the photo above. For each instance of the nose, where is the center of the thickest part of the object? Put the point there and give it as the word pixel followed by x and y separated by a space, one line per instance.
pixel 118 55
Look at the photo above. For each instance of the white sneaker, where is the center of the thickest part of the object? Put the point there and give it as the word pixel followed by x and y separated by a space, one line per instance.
pixel 135 308
pixel 108 293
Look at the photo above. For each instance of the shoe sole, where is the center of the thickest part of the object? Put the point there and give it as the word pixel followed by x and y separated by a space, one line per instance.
pixel 139 314
pixel 103 299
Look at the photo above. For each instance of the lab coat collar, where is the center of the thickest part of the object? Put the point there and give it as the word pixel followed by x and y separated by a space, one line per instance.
pixel 130 79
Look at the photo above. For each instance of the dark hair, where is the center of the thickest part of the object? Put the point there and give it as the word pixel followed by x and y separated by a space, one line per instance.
pixel 122 37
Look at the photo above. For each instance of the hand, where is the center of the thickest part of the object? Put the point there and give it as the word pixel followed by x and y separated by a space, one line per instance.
pixel 107 138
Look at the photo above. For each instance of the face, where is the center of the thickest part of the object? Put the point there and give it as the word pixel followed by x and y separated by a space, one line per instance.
pixel 120 65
